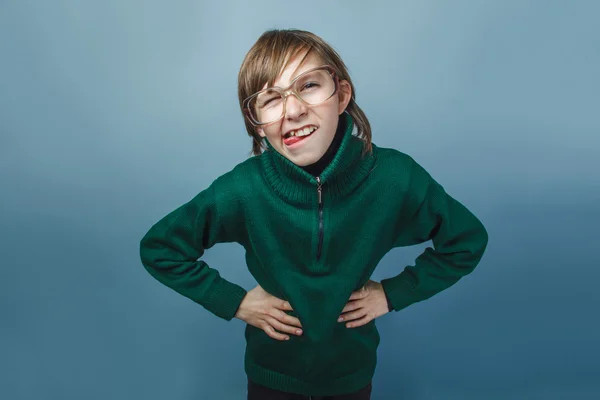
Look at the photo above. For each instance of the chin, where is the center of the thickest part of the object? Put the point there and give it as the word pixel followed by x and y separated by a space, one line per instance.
pixel 303 161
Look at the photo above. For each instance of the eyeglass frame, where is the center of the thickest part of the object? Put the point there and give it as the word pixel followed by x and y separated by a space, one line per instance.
pixel 285 92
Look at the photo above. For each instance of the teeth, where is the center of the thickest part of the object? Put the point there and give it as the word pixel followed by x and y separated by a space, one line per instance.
pixel 302 132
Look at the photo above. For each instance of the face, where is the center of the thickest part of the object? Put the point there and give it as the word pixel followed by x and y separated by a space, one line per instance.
pixel 323 117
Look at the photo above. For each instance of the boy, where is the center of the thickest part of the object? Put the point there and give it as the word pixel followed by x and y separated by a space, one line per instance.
pixel 316 209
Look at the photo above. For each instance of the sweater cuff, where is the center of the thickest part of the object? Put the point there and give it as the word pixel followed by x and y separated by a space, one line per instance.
pixel 225 300
pixel 389 303
pixel 400 292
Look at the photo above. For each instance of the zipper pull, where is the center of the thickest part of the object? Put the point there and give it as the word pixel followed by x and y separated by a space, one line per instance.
pixel 319 188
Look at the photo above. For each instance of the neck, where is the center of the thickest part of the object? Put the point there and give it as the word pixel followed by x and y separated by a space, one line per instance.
pixel 346 170
pixel 317 167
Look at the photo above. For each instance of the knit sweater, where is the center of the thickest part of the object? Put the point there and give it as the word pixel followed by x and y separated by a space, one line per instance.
pixel 317 167
pixel 313 241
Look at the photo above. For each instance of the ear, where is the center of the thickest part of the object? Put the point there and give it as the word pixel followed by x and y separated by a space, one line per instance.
pixel 260 131
pixel 344 95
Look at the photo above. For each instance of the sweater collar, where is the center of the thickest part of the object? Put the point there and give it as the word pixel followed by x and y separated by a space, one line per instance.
pixel 346 171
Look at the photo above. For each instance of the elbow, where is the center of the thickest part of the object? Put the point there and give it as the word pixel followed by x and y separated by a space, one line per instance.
pixel 143 253
pixel 480 246
pixel 483 241
pixel 147 253
pixel 478 241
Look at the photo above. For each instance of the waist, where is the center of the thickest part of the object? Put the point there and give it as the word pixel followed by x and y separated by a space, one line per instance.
pixel 315 358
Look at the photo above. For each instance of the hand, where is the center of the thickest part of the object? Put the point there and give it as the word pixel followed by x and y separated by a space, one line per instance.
pixel 265 311
pixel 365 305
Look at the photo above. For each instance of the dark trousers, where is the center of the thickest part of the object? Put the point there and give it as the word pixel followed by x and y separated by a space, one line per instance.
pixel 260 392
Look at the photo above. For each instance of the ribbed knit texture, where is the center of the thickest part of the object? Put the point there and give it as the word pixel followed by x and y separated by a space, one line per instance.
pixel 269 205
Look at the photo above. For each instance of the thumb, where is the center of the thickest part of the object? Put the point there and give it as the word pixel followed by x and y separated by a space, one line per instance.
pixel 285 305
pixel 359 294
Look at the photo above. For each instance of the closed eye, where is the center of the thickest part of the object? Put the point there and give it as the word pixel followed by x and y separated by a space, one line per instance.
pixel 309 85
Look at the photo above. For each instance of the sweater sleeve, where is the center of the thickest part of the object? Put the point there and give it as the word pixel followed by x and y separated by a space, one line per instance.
pixel 171 249
pixel 459 241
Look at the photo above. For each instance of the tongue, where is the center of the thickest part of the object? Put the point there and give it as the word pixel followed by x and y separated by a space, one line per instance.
pixel 294 139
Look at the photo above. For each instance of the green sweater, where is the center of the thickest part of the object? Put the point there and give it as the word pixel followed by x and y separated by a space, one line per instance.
pixel 312 241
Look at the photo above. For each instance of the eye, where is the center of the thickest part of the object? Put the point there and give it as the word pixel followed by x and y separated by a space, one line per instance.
pixel 309 85
pixel 266 102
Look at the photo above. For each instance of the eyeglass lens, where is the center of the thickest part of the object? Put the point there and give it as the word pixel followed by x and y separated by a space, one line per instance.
pixel 314 87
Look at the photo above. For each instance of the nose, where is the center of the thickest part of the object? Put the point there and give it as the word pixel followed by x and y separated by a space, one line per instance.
pixel 294 108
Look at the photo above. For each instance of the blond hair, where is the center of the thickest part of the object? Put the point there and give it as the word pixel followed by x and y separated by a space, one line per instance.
pixel 269 56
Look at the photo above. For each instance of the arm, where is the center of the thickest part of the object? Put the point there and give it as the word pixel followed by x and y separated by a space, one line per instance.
pixel 459 241
pixel 170 250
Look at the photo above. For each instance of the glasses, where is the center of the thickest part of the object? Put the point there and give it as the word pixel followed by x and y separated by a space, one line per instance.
pixel 312 88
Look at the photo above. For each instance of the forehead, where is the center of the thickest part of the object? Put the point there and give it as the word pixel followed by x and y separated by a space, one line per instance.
pixel 294 68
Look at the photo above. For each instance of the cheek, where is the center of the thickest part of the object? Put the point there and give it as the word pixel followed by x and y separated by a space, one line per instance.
pixel 330 120
pixel 271 132
pixel 327 113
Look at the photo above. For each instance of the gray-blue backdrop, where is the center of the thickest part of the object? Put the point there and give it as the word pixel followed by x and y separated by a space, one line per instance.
pixel 114 113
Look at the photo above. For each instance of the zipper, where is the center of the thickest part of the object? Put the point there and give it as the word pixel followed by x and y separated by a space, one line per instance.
pixel 320 194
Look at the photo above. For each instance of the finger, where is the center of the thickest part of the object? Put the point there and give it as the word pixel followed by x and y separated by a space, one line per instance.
pixel 359 322
pixel 283 317
pixel 283 327
pixel 349 316
pixel 273 333
pixel 288 319
pixel 350 306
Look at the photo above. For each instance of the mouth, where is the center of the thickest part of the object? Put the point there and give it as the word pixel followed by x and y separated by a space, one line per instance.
pixel 294 136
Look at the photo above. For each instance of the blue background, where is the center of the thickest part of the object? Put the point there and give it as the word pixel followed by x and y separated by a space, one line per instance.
pixel 114 113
